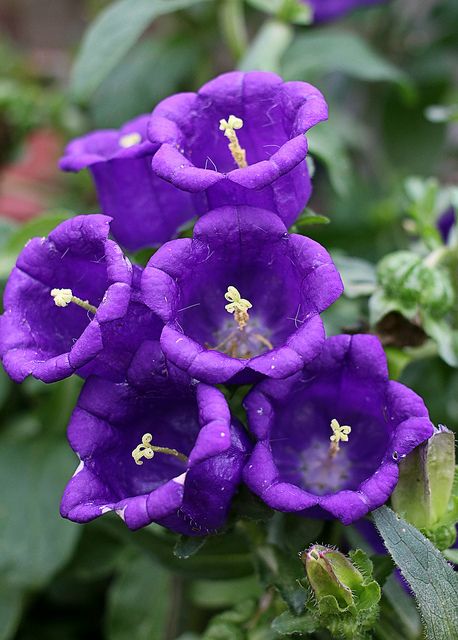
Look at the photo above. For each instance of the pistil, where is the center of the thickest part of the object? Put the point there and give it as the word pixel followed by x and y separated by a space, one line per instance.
pixel 229 127
pixel 147 450
pixel 340 433
pixel 63 297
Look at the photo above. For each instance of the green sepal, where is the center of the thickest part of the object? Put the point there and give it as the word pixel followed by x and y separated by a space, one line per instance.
pixel 426 492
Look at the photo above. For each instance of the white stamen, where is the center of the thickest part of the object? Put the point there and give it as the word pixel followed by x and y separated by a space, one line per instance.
pixel 340 433
pixel 62 297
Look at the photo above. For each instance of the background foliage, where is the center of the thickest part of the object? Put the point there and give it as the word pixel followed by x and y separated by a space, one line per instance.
pixel 384 165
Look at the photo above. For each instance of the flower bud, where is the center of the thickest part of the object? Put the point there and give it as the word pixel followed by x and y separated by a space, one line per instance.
pixel 330 573
pixel 425 484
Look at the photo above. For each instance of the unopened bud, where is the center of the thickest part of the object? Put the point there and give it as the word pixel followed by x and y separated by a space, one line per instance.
pixel 425 484
pixel 330 573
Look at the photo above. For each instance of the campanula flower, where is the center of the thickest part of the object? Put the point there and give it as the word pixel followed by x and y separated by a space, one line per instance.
pixel 239 140
pixel 242 298
pixel 297 466
pixel 173 456
pixel 146 210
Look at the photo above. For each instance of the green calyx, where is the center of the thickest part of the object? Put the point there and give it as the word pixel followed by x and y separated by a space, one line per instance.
pixel 425 494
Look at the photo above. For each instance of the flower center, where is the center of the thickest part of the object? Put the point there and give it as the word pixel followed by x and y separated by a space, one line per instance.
pixel 147 450
pixel 229 127
pixel 63 297
pixel 245 341
pixel 130 140
pixel 322 473
pixel 340 433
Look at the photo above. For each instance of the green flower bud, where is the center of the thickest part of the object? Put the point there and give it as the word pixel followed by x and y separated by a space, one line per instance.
pixel 424 491
pixel 330 573
pixel 414 282
pixel 347 596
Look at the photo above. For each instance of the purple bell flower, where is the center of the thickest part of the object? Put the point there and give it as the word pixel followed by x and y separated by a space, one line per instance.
pixel 264 121
pixel 331 437
pixel 326 10
pixel 71 305
pixel 186 484
pixel 273 330
pixel 146 210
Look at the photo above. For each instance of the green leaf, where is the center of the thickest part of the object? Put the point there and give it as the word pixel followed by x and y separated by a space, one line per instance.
pixel 139 600
pixel 187 547
pixel 267 48
pixel 131 88
pixel 325 51
pixel 111 36
pixel 432 580
pixel 306 218
pixel 33 474
pixel 288 624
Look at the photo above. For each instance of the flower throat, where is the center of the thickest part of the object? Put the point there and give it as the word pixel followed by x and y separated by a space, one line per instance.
pixel 245 341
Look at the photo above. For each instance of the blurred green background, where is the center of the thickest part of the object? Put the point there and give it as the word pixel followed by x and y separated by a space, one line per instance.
pixel 389 76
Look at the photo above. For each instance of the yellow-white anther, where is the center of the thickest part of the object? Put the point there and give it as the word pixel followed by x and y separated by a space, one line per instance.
pixel 231 124
pixel 340 433
pixel 130 140
pixel 147 450
pixel 238 306
pixel 62 297
pixel 143 450
pixel 229 127
pixel 236 302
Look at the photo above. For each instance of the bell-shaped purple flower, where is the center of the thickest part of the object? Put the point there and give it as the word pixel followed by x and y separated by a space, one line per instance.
pixel 146 210
pixel 263 165
pixel 331 437
pixel 326 10
pixel 186 484
pixel 71 305
pixel 276 284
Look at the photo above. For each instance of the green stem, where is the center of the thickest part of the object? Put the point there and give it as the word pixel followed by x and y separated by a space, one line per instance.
pixel 232 20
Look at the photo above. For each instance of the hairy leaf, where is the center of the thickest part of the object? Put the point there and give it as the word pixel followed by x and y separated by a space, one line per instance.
pixel 432 580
